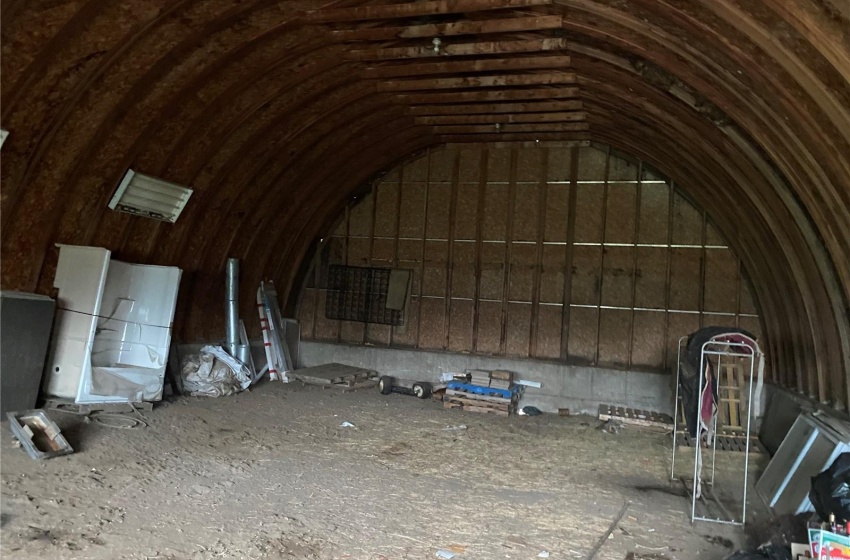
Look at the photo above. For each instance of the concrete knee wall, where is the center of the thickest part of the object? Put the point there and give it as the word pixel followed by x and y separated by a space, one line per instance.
pixel 581 389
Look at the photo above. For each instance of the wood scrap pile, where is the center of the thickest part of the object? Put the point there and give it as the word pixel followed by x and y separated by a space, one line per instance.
pixel 487 392
pixel 340 376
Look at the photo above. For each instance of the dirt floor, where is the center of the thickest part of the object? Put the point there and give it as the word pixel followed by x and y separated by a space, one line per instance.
pixel 271 474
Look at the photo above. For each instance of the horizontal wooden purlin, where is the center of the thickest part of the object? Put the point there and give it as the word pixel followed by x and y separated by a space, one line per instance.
pixel 549 78
pixel 539 137
pixel 507 25
pixel 396 70
pixel 496 108
pixel 462 49
pixel 415 9
pixel 503 118
pixel 509 128
pixel 487 95
pixel 457 143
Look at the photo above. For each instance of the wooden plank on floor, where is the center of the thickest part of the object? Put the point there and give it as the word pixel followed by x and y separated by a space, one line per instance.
pixel 634 416
pixel 328 374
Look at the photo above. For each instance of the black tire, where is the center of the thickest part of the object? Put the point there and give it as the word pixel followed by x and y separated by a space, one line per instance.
pixel 422 390
pixel 385 384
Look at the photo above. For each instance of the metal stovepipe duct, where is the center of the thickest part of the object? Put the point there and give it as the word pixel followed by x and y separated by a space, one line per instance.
pixel 232 305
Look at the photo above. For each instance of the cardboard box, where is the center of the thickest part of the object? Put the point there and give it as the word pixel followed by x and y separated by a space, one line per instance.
pixel 826 545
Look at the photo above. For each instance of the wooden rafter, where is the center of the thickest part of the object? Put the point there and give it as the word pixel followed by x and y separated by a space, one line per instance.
pixel 462 49
pixel 507 25
pixel 486 95
pixel 548 78
pixel 395 70
pixel 416 9
pixel 495 108
pixel 515 137
pixel 504 118
pixel 509 128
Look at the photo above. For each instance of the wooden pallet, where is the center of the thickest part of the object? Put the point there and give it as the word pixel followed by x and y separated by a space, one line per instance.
pixel 334 375
pixel 634 416
pixel 476 403
pixel 477 397
pixel 725 443
pixel 479 409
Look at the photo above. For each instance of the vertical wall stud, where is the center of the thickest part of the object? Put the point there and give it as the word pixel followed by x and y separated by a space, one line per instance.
pixel 396 241
pixel 424 237
pixel 509 230
pixel 739 270
pixel 373 218
pixel 671 191
pixel 703 266
pixel 602 253
pixel 568 259
pixel 479 236
pixel 638 198
pixel 344 259
pixel 450 246
pixel 317 289
pixel 538 260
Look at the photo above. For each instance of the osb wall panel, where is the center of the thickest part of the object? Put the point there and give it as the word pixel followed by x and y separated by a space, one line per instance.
pixel 636 263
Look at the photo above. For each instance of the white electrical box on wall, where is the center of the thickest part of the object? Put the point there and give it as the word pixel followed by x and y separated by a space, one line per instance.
pixel 148 196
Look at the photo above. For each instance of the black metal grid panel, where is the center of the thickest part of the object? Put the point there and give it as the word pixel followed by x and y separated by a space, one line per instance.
pixel 359 294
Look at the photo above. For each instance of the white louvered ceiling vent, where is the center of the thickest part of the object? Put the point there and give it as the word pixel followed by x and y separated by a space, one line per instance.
pixel 148 196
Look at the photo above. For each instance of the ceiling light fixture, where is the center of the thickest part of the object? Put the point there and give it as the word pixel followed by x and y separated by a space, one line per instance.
pixel 148 196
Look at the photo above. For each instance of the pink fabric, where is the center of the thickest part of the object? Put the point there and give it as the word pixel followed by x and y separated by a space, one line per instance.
pixel 707 402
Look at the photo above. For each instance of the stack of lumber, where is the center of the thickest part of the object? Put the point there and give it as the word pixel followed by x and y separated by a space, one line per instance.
pixel 479 377
pixel 500 379
pixel 497 379
pixel 485 400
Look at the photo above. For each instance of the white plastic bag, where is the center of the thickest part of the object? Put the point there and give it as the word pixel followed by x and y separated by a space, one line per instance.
pixel 214 373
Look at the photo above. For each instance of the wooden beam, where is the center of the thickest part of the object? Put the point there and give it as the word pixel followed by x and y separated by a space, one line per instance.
pixel 548 78
pixel 576 116
pixel 464 143
pixel 465 27
pixel 487 95
pixel 509 128
pixel 395 70
pixel 462 49
pixel 525 137
pixel 416 9
pixel 495 108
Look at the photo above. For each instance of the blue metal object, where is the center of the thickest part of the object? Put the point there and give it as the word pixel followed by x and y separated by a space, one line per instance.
pixel 487 391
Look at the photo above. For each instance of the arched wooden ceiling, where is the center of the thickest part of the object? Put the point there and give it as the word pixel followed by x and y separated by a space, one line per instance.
pixel 276 112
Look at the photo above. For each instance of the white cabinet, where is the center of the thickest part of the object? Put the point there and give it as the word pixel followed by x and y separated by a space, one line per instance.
pixel 113 328
pixel 810 447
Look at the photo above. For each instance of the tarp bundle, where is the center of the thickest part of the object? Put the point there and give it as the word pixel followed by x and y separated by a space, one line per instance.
pixel 214 373
pixel 830 493
pixel 690 371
